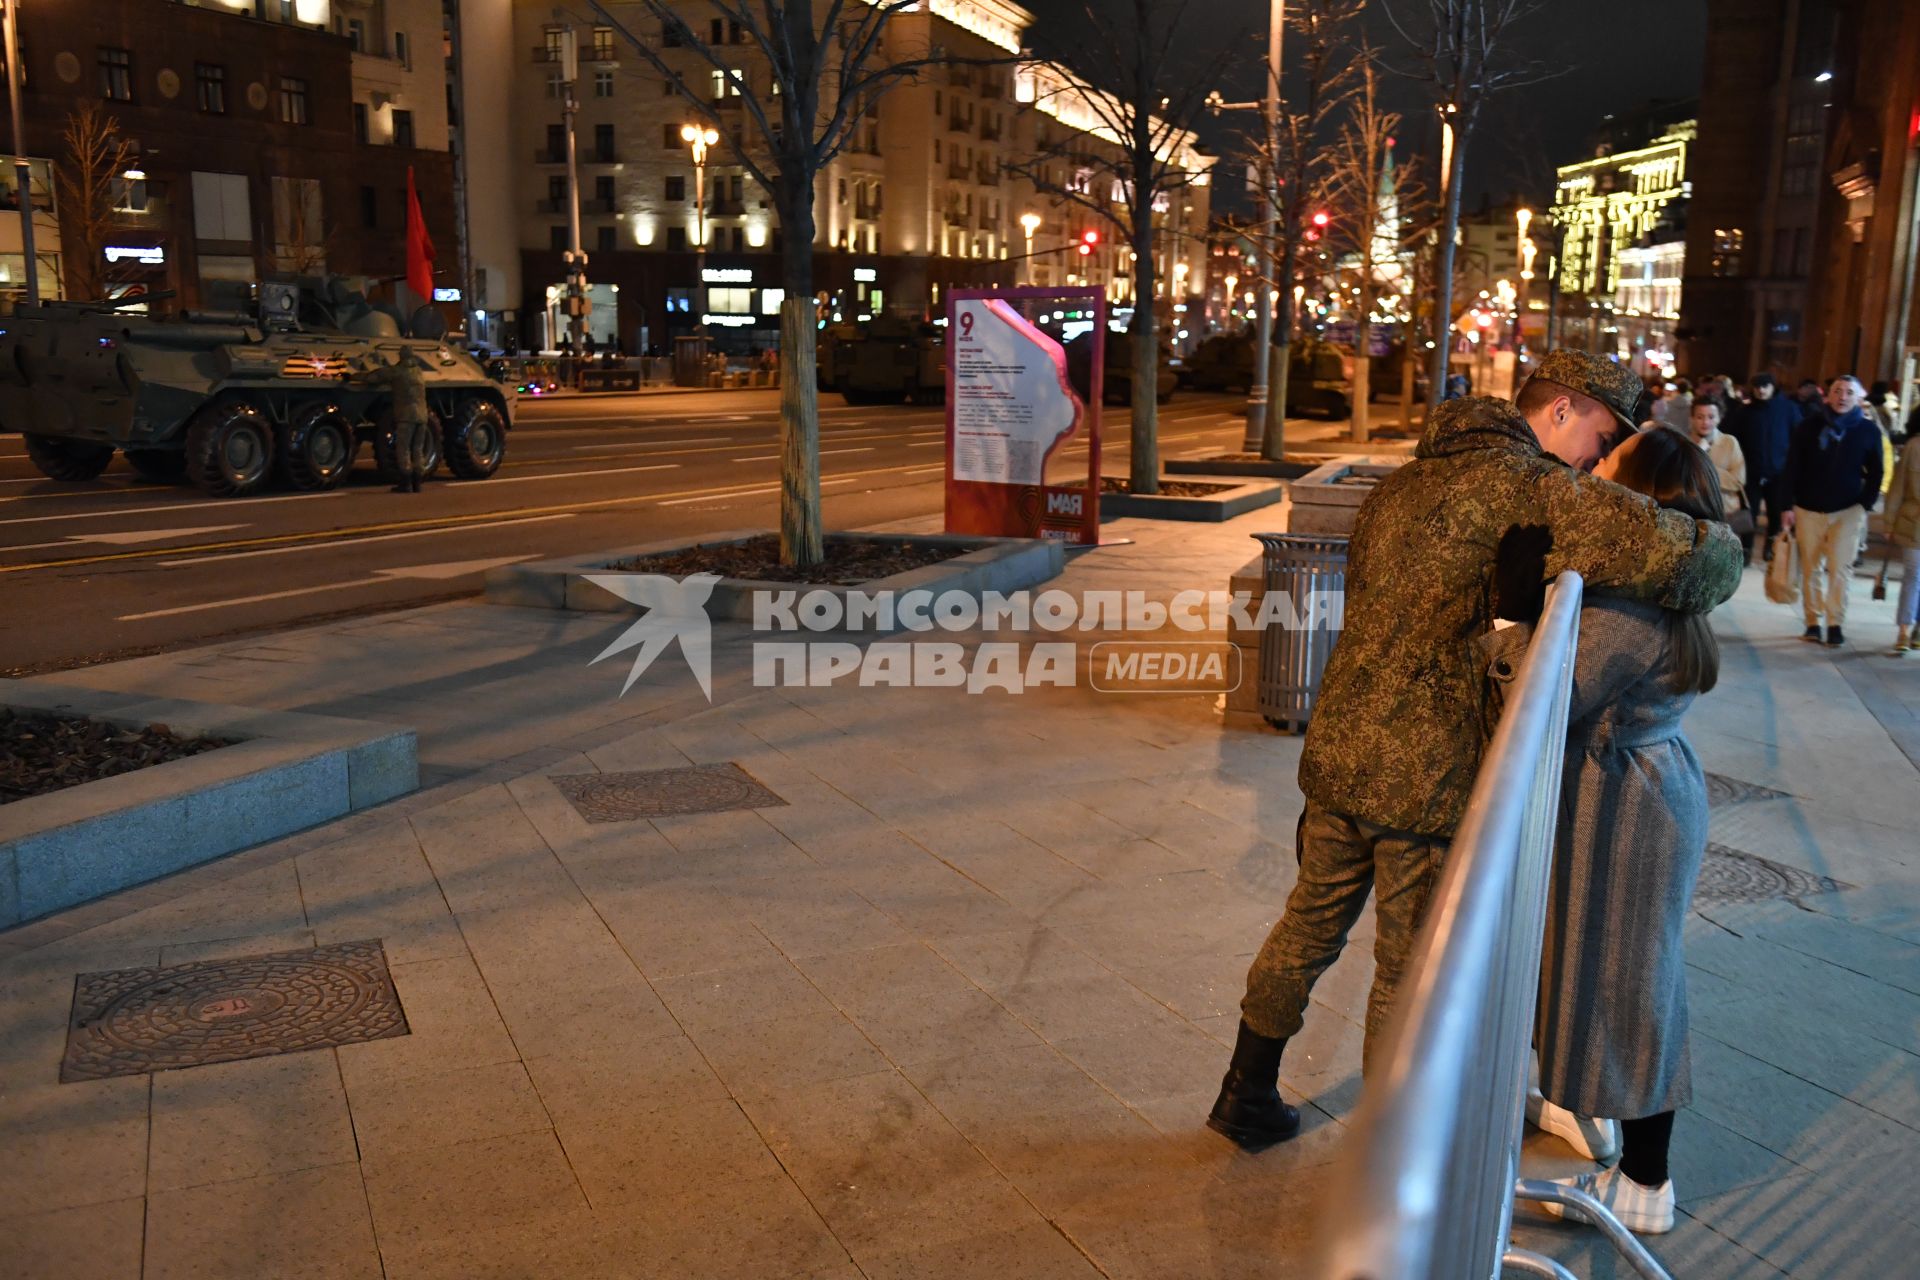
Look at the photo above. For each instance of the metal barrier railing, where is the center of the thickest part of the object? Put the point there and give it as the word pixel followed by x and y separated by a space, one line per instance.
pixel 1425 1183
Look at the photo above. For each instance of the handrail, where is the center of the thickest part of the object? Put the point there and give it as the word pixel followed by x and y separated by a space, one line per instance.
pixel 1425 1183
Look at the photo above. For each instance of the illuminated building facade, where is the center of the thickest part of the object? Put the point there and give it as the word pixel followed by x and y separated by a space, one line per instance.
pixel 246 151
pixel 1802 251
pixel 1620 220
pixel 921 200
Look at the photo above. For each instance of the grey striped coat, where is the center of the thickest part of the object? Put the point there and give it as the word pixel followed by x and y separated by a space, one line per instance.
pixel 1612 1023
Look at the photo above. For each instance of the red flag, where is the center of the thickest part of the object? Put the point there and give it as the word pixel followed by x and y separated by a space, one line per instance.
pixel 419 245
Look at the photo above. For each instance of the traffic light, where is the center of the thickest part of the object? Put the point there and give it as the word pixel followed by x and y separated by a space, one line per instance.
pixel 1320 221
pixel 1088 239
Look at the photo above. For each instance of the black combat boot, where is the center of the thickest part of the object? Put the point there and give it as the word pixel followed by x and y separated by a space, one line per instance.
pixel 1249 1109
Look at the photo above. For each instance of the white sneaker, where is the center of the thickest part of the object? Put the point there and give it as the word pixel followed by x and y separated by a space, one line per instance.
pixel 1597 1140
pixel 1645 1211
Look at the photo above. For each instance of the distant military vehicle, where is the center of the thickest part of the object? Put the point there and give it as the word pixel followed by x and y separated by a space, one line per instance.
pixel 1116 368
pixel 1319 379
pixel 234 401
pixel 886 360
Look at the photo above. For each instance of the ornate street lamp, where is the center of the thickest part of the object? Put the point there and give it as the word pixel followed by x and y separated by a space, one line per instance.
pixel 699 139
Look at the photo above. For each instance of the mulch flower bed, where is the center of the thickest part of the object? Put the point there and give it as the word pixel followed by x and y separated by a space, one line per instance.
pixel 848 562
pixel 1167 489
pixel 40 754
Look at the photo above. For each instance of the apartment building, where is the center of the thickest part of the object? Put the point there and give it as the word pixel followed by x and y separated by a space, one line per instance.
pixel 263 136
pixel 924 197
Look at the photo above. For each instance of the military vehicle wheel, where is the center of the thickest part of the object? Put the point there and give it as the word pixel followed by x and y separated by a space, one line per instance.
pixel 162 466
pixel 68 459
pixel 316 449
pixel 229 449
pixel 383 447
pixel 475 442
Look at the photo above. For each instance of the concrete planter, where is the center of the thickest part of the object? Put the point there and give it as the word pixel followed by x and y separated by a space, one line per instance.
pixel 999 564
pixel 1286 470
pixel 288 772
pixel 1248 495
pixel 1327 499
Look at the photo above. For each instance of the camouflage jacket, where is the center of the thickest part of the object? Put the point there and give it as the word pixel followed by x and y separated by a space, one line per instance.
pixel 406 383
pixel 1403 711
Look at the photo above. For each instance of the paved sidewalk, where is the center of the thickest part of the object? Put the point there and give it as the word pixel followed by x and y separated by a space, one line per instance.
pixel 955 1008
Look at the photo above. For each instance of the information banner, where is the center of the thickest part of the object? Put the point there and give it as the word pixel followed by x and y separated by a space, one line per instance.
pixel 1014 402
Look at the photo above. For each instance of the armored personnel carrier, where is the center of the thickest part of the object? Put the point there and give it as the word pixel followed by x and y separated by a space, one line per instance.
pixel 886 360
pixel 234 402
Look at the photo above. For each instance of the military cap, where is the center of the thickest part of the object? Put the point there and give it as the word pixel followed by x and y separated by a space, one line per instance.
pixel 1613 385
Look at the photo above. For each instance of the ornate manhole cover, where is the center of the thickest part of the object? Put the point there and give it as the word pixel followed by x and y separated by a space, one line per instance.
pixel 130 1021
pixel 662 793
pixel 1722 790
pixel 1729 875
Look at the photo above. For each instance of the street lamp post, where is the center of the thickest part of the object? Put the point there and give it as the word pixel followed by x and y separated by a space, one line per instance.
pixel 576 257
pixel 1524 216
pixel 699 140
pixel 22 168
pixel 1029 223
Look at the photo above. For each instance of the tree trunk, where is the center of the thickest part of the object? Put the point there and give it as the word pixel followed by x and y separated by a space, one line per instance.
pixel 1443 274
pixel 800 538
pixel 1362 373
pixel 1274 446
pixel 1143 466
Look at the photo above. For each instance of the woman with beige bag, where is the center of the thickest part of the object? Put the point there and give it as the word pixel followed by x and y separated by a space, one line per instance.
pixel 1903 531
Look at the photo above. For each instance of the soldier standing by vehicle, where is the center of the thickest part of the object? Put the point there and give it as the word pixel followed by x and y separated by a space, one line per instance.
pixel 407 405
pixel 1403 715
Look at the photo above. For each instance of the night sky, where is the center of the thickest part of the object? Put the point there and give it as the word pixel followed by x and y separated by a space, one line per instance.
pixel 1618 55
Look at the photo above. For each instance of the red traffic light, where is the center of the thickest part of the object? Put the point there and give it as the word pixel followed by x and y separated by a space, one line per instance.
pixel 1321 219
pixel 1088 239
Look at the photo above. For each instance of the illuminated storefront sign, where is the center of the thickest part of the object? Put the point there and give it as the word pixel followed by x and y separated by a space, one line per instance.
pixel 145 255
pixel 865 275
pixel 727 275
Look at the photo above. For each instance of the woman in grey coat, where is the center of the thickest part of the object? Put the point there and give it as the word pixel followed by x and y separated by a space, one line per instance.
pixel 1612 1024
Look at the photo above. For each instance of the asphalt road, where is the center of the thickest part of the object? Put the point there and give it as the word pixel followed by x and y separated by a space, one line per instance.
pixel 121 566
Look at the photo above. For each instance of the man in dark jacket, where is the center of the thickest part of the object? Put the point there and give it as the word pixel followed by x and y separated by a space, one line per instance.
pixel 1764 428
pixel 1403 711
pixel 1830 482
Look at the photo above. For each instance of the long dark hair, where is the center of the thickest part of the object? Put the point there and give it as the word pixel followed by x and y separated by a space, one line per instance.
pixel 1676 473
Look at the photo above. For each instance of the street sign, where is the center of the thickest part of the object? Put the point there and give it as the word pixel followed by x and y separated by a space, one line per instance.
pixel 1012 406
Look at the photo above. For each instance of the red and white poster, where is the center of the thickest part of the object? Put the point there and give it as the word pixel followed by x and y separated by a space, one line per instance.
pixel 1012 407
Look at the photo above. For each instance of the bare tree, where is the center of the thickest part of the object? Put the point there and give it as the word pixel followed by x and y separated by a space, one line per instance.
pixel 1297 161
pixel 829 64
pixel 89 180
pixel 1461 50
pixel 1377 205
pixel 1139 161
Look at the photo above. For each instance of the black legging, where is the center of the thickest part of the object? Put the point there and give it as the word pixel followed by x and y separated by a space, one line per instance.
pixel 1643 1148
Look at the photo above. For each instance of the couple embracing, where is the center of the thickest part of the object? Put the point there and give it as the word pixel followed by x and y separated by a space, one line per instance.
pixel 1498 499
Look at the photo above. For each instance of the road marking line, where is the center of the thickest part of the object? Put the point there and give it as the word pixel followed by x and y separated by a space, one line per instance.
pixel 597 504
pixel 223 504
pixel 437 572
pixel 828 453
pixel 648 444
pixel 755 457
pixel 576 475
pixel 924 444
pixel 73 540
pixel 920 471
pixel 711 497
pixel 328 545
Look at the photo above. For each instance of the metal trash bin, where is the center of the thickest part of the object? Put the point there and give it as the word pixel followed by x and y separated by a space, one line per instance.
pixel 1311 571
pixel 690 360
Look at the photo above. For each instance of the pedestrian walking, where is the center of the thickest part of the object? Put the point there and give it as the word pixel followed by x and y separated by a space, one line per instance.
pixel 405 382
pixel 1830 482
pixel 1674 408
pixel 1903 531
pixel 1730 467
pixel 1764 428
pixel 1611 1026
pixel 1403 710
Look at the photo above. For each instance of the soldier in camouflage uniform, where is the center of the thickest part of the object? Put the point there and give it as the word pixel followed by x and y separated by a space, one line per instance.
pixel 1402 714
pixel 407 384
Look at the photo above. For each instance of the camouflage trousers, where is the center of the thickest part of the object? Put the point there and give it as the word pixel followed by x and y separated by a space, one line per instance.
pixel 1342 859
pixel 410 447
